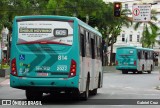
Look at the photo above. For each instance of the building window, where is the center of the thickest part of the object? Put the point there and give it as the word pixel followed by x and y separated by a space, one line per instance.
pixel 126 6
pixel 130 38
pixel 123 37
pixel 138 38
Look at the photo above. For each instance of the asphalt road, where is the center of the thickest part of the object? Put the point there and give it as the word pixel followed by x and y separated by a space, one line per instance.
pixel 117 88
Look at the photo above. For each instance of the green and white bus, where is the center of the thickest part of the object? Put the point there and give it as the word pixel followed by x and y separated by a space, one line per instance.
pixel 51 54
pixel 134 59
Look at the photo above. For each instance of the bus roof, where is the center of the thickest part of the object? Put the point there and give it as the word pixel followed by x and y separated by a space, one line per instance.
pixel 62 18
pixel 134 47
pixel 88 27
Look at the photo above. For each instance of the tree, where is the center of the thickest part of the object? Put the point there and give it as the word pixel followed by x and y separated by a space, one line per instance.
pixel 110 27
pixel 55 7
pixel 11 8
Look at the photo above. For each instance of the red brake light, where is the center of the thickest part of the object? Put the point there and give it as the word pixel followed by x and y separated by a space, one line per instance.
pixel 135 62
pixel 116 62
pixel 13 67
pixel 72 69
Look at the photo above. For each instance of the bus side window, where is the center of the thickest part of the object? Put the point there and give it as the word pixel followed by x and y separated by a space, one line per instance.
pixel 142 54
pixel 83 45
pixel 93 48
pixel 139 54
pixel 146 55
pixel 101 48
pixel 95 45
pixel 88 52
pixel 151 55
pixel 88 37
pixel 97 48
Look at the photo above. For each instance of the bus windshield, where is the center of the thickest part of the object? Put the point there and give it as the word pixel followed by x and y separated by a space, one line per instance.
pixel 45 32
pixel 126 52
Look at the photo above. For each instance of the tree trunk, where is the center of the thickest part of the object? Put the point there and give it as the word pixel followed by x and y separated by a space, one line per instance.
pixel 106 53
pixel 111 55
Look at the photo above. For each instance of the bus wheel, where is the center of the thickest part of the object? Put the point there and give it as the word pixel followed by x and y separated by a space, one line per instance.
pixel 149 72
pixel 93 92
pixel 142 68
pixel 124 72
pixel 85 95
pixel 134 72
pixel 140 72
pixel 33 95
pixel 99 81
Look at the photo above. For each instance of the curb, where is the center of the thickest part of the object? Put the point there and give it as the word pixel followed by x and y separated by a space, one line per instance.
pixel 7 76
pixel 4 78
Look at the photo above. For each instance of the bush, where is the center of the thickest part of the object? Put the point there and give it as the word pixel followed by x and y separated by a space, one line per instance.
pixel 5 66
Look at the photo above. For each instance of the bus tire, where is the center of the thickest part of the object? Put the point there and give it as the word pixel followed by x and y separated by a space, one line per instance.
pixel 149 72
pixel 85 95
pixel 134 72
pixel 99 81
pixel 124 72
pixel 33 95
pixel 94 92
pixel 140 72
pixel 143 68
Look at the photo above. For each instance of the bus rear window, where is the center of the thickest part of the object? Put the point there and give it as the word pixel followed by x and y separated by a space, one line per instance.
pixel 126 51
pixel 51 32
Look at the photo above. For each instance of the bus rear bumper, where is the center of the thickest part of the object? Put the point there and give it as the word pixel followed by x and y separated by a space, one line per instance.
pixel 126 67
pixel 44 84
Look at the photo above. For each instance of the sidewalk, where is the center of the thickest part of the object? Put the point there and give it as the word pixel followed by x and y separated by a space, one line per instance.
pixel 4 78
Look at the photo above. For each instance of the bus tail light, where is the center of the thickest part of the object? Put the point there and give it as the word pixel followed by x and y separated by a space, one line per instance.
pixel 13 67
pixel 116 62
pixel 135 62
pixel 72 69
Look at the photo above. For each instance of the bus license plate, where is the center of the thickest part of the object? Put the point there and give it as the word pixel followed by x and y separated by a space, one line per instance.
pixel 42 74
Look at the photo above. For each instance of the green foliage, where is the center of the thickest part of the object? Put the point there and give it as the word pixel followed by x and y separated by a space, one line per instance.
pixel 5 66
pixel 100 14
pixel 110 26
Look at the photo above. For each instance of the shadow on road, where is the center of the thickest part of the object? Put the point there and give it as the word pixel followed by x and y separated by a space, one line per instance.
pixel 60 99
pixel 65 99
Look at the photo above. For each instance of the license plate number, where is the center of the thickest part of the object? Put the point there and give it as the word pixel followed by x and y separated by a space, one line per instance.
pixel 42 74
